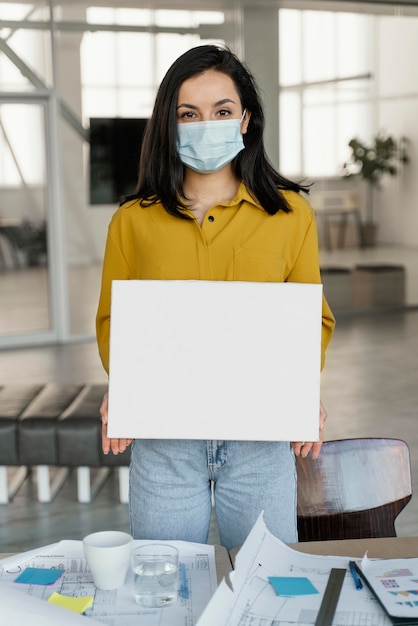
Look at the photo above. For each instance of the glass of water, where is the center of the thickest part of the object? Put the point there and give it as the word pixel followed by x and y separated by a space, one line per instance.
pixel 155 567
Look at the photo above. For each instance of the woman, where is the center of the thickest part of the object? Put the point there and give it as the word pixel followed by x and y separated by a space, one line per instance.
pixel 210 206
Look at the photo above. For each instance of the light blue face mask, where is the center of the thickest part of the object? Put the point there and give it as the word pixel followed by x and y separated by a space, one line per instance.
pixel 206 147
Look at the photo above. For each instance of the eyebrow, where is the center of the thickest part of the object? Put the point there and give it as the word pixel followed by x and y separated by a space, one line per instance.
pixel 194 107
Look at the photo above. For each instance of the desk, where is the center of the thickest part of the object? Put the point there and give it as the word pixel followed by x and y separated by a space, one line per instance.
pixel 223 562
pixel 341 205
pixel 381 548
pixel 378 548
pixel 110 607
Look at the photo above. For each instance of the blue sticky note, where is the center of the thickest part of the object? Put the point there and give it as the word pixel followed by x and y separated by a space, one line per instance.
pixel 39 576
pixel 288 586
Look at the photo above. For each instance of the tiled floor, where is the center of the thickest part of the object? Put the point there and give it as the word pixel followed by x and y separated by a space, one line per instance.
pixel 369 387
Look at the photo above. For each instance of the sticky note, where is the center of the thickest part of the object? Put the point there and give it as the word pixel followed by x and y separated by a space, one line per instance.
pixel 39 576
pixel 78 605
pixel 292 586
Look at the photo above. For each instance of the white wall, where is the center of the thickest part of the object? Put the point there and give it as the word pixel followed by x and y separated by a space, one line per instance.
pixel 398 107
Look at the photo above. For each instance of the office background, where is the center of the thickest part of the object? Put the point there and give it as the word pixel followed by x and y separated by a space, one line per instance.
pixel 328 71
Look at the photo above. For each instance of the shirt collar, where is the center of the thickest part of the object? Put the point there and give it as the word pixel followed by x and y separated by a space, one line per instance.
pixel 242 195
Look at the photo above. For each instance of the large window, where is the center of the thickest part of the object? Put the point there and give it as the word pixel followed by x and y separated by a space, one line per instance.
pixel 20 130
pixel 326 88
pixel 122 70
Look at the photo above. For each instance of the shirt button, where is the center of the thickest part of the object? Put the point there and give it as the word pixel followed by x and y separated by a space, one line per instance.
pixel 211 218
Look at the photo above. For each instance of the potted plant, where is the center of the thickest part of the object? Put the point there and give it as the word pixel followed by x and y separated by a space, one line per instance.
pixel 371 163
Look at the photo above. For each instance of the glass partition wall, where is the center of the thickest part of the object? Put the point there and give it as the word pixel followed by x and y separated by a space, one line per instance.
pixel 33 291
pixel 348 99
pixel 329 72
pixel 96 62
pixel 24 279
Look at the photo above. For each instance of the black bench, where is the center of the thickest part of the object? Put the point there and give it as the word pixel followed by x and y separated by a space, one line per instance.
pixel 55 425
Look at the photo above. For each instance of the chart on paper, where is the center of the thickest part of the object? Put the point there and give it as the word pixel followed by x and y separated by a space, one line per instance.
pixel 254 602
pixel 118 608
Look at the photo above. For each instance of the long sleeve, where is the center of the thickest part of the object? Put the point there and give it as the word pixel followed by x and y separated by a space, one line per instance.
pixel 115 267
pixel 306 269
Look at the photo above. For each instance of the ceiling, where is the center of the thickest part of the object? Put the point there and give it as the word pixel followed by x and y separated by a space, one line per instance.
pixel 219 4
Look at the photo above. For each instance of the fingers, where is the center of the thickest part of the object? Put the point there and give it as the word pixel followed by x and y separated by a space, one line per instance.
pixel 297 446
pixel 322 417
pixel 119 445
pixel 113 445
pixel 116 446
pixel 106 442
pixel 103 408
pixel 316 449
pixel 303 448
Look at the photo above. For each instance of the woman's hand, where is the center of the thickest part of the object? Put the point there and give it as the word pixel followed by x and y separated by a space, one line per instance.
pixel 114 445
pixel 304 447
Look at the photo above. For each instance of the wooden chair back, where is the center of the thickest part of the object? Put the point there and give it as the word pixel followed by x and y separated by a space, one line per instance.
pixel 354 490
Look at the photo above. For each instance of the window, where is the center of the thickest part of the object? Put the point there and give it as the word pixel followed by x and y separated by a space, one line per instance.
pixel 20 126
pixel 121 70
pixel 325 88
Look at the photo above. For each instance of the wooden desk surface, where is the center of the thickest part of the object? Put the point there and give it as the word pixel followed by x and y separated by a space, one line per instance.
pixel 223 562
pixel 380 548
pixel 384 548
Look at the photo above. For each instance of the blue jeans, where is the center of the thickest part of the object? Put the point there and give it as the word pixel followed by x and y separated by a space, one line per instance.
pixel 170 489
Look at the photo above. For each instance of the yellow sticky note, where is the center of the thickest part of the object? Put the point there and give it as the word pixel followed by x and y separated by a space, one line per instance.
pixel 78 605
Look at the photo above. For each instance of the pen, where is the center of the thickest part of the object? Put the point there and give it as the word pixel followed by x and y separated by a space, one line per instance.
pixel 357 581
pixel 184 589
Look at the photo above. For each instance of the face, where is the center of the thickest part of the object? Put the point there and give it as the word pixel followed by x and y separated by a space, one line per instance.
pixel 210 96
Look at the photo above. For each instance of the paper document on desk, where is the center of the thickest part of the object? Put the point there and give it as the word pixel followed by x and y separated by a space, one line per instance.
pixel 395 583
pixel 254 602
pixel 114 608
pixel 23 610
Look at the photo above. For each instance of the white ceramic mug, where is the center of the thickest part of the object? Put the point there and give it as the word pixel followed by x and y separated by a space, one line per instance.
pixel 108 556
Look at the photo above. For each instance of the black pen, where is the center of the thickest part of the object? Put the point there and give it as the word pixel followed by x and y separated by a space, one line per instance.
pixel 357 581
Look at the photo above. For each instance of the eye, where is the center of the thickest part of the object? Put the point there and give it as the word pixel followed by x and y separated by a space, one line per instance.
pixel 224 112
pixel 188 115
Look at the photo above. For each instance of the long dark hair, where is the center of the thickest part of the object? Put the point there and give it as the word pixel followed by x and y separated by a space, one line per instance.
pixel 161 171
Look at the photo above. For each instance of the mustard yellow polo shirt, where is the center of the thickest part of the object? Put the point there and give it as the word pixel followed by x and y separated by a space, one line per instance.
pixel 238 240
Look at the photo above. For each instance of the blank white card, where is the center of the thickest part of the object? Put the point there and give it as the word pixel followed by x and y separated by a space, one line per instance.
pixel 215 360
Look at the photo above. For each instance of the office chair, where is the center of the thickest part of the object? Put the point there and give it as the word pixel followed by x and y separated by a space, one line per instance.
pixel 354 490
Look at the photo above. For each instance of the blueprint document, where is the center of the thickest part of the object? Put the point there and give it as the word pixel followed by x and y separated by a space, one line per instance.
pixel 253 601
pixel 113 608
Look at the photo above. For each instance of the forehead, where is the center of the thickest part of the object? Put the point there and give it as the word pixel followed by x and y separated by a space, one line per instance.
pixel 208 87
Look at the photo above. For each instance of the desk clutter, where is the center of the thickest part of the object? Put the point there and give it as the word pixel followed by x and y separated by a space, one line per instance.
pixel 311 588
pixel 271 583
pixel 55 426
pixel 53 585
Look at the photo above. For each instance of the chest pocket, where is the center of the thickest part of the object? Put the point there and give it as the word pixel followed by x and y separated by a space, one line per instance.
pixel 254 265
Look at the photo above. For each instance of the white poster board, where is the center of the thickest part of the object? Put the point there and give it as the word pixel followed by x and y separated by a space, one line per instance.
pixel 215 360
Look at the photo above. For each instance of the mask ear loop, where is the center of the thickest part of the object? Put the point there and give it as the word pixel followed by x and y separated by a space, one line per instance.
pixel 243 115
